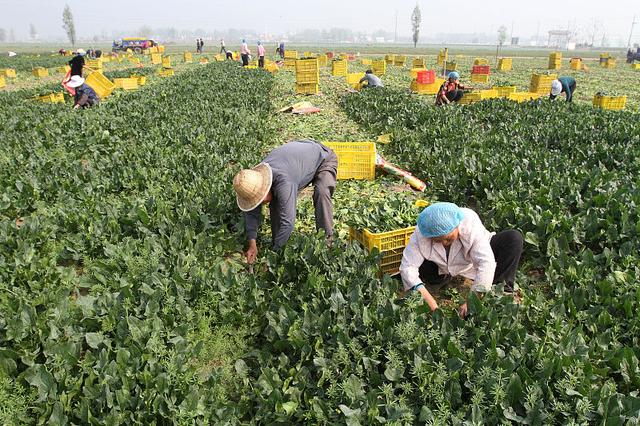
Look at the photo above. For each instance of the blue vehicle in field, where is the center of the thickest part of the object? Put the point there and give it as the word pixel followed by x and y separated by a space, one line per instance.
pixel 136 44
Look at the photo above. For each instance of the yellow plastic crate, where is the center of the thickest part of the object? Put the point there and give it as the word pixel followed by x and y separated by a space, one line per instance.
pixel 505 64
pixel 353 80
pixel 153 49
pixel 443 56
pixel 187 57
pixel 307 55
pixel 307 88
pixel 615 103
pixel 541 83
pixel 575 64
pixel 40 72
pixel 390 59
pixel 106 59
pixel 160 48
pixel 323 60
pixel 505 91
pixel 390 244
pixel 339 67
pixel 419 63
pixel 480 78
pixel 356 160
pixel 52 98
pixel 166 62
pixel 414 72
pixel 204 60
pixel 451 66
pixel 426 89
pixel 290 63
pixel 291 54
pixel 134 61
pixel 156 58
pixel 3 83
pixel 271 67
pixel 8 72
pixel 366 61
pixel 126 83
pixel 400 60
pixel 142 80
pixel 635 67
pixel 100 84
pixel 219 58
pixel 480 61
pixel 63 69
pixel 379 67
pixel 166 72
pixel 610 63
pixel 523 96
pixel 307 71
pixel 95 64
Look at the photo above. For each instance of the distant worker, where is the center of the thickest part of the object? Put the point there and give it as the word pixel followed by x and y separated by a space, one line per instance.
pixel 85 96
pixel 451 90
pixel 566 85
pixel 77 63
pixel 223 48
pixel 277 180
pixel 281 49
pixel 201 45
pixel 62 52
pixel 197 45
pixel 451 241
pixel 261 53
pixel 229 55
pixel 244 53
pixel 371 79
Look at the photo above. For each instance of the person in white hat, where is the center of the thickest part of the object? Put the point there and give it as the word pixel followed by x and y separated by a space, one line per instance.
pixel 566 85
pixel 85 96
pixel 77 63
pixel 277 180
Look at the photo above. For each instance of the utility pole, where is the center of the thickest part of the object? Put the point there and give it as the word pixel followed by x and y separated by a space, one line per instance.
pixel 538 34
pixel 633 24
pixel 395 37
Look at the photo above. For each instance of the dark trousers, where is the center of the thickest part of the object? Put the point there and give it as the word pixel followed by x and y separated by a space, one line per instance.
pixel 507 249
pixel 455 95
pixel 245 59
pixel 324 184
pixel 230 55
pixel 261 61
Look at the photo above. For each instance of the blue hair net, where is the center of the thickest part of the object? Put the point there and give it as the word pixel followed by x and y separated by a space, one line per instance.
pixel 439 219
pixel 454 75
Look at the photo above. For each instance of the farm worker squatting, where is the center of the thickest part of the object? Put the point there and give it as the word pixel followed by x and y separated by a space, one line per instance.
pixel 451 90
pixel 85 96
pixel 244 53
pixel 371 79
pixel 277 180
pixel 566 85
pixel 451 241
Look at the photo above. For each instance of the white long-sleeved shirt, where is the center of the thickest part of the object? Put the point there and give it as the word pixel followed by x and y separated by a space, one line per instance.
pixel 470 255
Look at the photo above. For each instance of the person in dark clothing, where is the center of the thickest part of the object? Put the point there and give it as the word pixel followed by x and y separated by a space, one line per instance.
pixel 451 90
pixel 451 241
pixel 77 63
pixel 229 55
pixel 85 96
pixel 566 85
pixel 281 49
pixel 277 180
pixel 371 79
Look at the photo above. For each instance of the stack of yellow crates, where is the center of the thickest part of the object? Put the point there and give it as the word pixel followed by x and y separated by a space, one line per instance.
pixel 389 59
pixel 575 64
pixel 156 58
pixel 426 88
pixel 166 62
pixel 451 66
pixel 610 63
pixel 443 56
pixel 188 57
pixel 307 76
pixel 323 60
pixel 555 60
pixel 339 67
pixel 505 64
pixel 290 57
pixel 603 58
pixel 541 83
pixel 414 72
pixel 379 67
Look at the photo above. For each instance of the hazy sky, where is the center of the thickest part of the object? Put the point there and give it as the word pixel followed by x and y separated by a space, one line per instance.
pixel 278 16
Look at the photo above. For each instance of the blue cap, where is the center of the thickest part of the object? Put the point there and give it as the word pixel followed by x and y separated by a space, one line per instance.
pixel 439 219
pixel 454 75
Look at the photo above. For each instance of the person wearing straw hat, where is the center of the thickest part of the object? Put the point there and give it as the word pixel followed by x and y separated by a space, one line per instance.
pixel 85 96
pixel 451 241
pixel 77 63
pixel 277 180
pixel 566 85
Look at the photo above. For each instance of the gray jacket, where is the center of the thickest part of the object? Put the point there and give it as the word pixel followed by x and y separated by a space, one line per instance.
pixel 294 166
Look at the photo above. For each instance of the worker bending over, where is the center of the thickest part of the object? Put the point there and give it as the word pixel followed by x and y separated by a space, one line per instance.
pixel 371 80
pixel 566 85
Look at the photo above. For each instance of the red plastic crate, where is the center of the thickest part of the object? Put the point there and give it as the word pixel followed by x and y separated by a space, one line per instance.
pixel 426 77
pixel 480 69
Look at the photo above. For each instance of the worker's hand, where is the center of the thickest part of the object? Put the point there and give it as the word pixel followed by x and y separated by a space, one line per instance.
pixel 76 106
pixel 462 311
pixel 252 252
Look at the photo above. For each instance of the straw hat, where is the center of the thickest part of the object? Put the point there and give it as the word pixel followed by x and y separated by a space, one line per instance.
pixel 75 81
pixel 252 186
